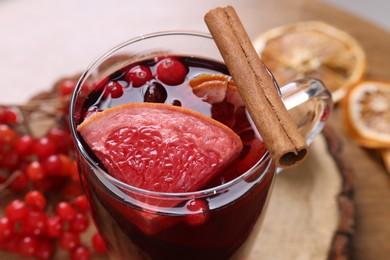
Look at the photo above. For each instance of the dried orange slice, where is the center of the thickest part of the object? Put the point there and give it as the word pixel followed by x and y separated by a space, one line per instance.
pixel 313 49
pixel 367 113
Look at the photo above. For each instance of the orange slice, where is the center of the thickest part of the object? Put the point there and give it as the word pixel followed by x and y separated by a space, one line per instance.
pixel 367 113
pixel 313 49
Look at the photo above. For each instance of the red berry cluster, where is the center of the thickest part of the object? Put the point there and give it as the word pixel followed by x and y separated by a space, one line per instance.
pixel 47 210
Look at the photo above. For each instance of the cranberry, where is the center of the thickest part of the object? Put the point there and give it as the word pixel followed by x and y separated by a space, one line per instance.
pixel 171 71
pixel 198 212
pixel 155 93
pixel 113 89
pixel 138 76
pixel 176 102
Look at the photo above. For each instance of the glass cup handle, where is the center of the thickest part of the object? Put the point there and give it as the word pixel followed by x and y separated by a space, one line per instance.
pixel 309 103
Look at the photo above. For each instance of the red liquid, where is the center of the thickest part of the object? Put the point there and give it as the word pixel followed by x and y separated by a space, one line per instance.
pixel 226 219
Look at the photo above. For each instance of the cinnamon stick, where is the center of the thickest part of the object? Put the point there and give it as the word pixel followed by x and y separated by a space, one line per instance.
pixel 256 86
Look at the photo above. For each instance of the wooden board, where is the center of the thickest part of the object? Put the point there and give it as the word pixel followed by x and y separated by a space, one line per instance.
pixel 311 212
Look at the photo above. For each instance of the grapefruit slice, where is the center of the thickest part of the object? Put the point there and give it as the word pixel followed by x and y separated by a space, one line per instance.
pixel 313 49
pixel 367 113
pixel 159 147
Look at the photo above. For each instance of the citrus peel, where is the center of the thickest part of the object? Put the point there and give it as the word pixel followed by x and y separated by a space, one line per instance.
pixel 367 113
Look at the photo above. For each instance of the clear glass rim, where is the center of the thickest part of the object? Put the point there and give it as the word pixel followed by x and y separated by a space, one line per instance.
pixel 97 169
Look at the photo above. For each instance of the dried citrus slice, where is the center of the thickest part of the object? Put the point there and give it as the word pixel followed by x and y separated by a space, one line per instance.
pixel 313 49
pixel 367 113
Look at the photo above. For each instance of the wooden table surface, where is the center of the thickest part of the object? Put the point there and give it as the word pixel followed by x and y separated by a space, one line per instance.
pixel 372 183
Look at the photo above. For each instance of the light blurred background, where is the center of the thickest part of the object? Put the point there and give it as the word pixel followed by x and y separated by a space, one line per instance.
pixel 43 40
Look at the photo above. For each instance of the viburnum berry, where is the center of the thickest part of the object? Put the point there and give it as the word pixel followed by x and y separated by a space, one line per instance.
pixel 137 76
pixel 20 182
pixel 171 71
pixel 35 223
pixel 45 249
pixel 54 226
pixel 61 138
pixel 9 115
pixel 79 224
pixel 69 240
pixel 44 147
pixel 25 145
pixel 35 171
pixel 53 165
pixel 65 211
pixel 81 203
pixel 10 159
pixel 98 243
pixel 28 246
pixel 8 137
pixel 35 200
pixel 16 210
pixel 6 228
pixel 81 253
pixel 66 87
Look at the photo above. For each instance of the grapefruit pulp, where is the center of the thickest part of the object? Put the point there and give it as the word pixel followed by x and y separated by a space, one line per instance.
pixel 160 147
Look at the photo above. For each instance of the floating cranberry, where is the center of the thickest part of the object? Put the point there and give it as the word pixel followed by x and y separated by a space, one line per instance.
pixel 198 212
pixel 113 89
pixel 155 93
pixel 138 76
pixel 176 102
pixel 171 71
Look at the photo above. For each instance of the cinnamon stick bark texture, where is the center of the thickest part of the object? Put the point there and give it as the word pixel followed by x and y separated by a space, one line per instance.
pixel 257 88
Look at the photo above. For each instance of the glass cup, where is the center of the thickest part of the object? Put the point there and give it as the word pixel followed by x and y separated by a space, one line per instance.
pixel 227 221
